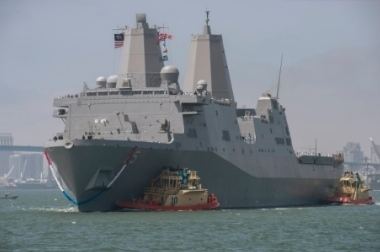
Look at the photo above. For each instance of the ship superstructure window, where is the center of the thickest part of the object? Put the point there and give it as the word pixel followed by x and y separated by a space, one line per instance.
pixel 226 135
pixel 135 130
pixel 288 141
pixel 126 92
pixel 91 94
pixel 280 140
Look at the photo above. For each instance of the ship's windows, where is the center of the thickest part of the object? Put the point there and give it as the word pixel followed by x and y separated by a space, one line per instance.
pixel 126 118
pixel 135 130
pixel 226 135
pixel 136 92
pixel 288 141
pixel 279 140
pixel 62 111
pixel 159 92
pixel 103 93
pixel 126 92
pixel 147 92
pixel 114 93
pixel 91 94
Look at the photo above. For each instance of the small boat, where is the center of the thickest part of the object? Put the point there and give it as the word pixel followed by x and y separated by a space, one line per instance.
pixel 10 197
pixel 352 190
pixel 174 190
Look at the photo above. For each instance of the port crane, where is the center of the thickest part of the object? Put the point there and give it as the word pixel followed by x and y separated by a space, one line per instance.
pixel 375 147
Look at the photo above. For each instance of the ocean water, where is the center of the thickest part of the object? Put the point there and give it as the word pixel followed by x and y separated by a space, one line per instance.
pixel 42 220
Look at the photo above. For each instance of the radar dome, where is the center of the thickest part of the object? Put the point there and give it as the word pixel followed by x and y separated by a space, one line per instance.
pixel 141 18
pixel 169 74
pixel 201 85
pixel 111 81
pixel 101 82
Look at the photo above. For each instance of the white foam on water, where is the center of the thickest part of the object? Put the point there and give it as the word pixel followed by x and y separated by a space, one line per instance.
pixel 281 208
pixel 52 209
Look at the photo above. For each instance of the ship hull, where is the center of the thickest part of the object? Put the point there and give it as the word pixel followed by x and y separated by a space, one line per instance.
pixel 87 169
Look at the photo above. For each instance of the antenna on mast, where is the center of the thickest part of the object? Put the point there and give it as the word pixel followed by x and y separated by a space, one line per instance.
pixel 207 29
pixel 207 16
pixel 279 77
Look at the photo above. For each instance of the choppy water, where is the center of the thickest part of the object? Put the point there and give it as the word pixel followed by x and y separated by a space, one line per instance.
pixel 41 220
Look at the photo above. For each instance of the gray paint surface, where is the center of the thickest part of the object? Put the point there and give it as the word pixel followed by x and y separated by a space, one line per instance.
pixel 247 160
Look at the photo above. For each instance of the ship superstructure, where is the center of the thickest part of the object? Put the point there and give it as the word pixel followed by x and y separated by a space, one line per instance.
pixel 120 134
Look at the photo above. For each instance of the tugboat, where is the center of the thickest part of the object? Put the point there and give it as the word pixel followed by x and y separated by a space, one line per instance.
pixel 174 190
pixel 352 190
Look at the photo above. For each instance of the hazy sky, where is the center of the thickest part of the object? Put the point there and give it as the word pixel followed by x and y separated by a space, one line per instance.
pixel 331 74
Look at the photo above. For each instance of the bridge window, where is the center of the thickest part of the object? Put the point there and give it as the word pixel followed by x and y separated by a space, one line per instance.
pixel 280 140
pixel 126 92
pixel 288 141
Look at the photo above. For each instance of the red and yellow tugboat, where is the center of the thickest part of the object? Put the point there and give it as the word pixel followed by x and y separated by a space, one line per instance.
pixel 174 190
pixel 352 190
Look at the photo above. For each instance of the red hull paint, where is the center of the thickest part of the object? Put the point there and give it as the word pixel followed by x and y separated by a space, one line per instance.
pixel 152 206
pixel 348 200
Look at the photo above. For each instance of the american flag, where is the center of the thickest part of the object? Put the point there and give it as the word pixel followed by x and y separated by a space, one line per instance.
pixel 119 40
pixel 164 36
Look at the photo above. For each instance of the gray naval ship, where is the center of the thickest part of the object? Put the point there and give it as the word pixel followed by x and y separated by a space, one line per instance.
pixel 120 134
